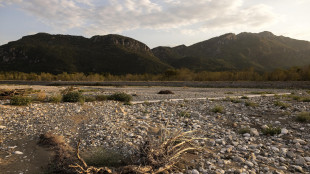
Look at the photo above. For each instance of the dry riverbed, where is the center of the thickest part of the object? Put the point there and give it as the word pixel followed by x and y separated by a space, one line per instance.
pixel 234 129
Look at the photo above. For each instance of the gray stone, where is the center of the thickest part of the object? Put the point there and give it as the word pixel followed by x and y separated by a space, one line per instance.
pixel 194 171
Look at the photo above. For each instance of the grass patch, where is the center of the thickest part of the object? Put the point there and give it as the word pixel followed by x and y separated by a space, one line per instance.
pixel 303 117
pixel 250 104
pixel 184 114
pixel 218 109
pixel 270 130
pixel 244 130
pixel 73 97
pixel 101 97
pixel 20 100
pixel 120 96
pixel 89 98
pixel 57 98
pixel 282 105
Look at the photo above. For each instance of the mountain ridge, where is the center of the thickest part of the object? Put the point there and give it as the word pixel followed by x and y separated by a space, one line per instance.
pixel 117 54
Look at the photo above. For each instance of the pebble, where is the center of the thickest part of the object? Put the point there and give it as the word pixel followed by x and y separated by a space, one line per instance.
pixel 18 153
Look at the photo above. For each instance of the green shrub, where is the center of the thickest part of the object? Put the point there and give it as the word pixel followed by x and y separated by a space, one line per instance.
pixel 184 114
pixel 303 117
pixel 101 97
pixel 244 97
pixel 282 105
pixel 244 130
pixel 305 99
pixel 20 100
pixel 57 98
pixel 120 96
pixel 89 98
pixel 251 104
pixel 270 130
pixel 73 97
pixel 218 109
pixel 234 100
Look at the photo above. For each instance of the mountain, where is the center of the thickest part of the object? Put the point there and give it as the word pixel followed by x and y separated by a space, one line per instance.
pixel 44 52
pixel 117 54
pixel 263 51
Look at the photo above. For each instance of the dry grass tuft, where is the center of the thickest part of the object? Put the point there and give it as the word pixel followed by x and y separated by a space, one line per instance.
pixel 154 156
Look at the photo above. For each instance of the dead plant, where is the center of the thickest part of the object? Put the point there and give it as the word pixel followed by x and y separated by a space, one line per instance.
pixel 152 157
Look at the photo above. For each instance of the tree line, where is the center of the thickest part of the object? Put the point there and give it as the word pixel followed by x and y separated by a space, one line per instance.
pixel 292 74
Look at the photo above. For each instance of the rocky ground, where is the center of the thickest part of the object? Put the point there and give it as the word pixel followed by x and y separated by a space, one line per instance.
pixel 234 139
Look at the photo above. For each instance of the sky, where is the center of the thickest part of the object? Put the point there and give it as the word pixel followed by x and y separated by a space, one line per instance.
pixel 154 22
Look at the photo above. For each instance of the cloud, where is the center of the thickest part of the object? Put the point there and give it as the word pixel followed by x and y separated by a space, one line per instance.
pixel 116 16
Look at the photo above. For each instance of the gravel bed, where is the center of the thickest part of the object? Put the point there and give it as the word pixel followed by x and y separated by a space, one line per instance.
pixel 112 125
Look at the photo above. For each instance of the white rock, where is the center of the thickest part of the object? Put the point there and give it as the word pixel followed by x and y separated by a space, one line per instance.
pixel 194 171
pixel 254 132
pixel 246 135
pixel 18 153
pixel 264 127
pixel 284 131
pixel 2 127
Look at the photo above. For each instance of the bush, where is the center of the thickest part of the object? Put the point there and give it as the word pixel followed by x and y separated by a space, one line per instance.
pixel 303 117
pixel 244 130
pixel 20 100
pixel 101 97
pixel 282 105
pixel 244 97
pixel 270 130
pixel 165 92
pixel 218 109
pixel 184 114
pixel 57 98
pixel 120 96
pixel 41 96
pixel 251 104
pixel 73 97
pixel 89 98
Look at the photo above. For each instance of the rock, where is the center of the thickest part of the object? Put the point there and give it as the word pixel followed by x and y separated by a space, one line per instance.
pixel 300 141
pixel 249 163
pixel 275 149
pixel 254 132
pixel 238 159
pixel 282 168
pixel 264 126
pixel 298 168
pixel 246 135
pixel 290 154
pixel 194 171
pixel 2 127
pixel 284 131
pixel 18 153
pixel 300 161
pixel 307 159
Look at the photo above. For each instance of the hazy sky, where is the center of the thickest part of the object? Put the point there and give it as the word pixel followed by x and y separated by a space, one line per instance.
pixel 154 22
